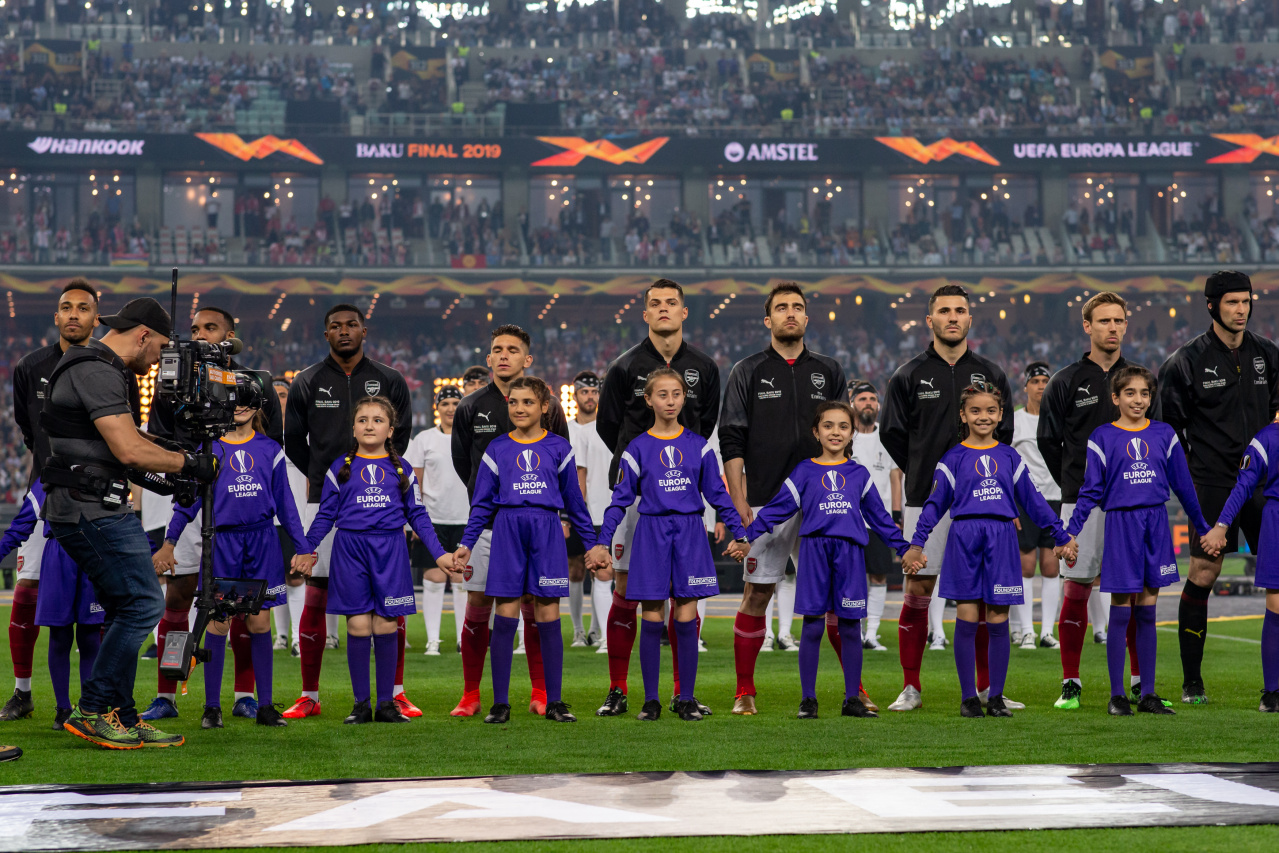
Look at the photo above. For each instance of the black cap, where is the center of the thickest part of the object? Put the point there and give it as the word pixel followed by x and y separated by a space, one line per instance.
pixel 1226 281
pixel 448 392
pixel 476 374
pixel 861 386
pixel 143 311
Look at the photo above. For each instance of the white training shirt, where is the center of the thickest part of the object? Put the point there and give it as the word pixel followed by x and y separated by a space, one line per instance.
pixel 443 493
pixel 869 452
pixel 1025 427
pixel 592 454
pixel 298 487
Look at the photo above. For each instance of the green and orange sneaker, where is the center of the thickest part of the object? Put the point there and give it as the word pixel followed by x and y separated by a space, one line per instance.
pixel 102 730
pixel 152 737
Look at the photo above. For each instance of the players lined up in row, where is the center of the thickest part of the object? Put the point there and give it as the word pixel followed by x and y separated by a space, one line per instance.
pixel 785 436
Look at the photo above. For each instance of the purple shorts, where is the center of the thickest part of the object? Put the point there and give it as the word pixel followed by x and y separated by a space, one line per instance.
pixel 1267 548
pixel 252 553
pixel 369 573
pixel 982 562
pixel 66 594
pixel 833 578
pixel 528 555
pixel 1138 550
pixel 670 558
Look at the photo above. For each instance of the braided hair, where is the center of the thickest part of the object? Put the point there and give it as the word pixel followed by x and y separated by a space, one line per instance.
pixel 979 387
pixel 344 473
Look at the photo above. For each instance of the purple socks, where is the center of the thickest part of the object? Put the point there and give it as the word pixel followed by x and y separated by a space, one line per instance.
pixel 385 655
pixel 686 635
pixel 260 649
pixel 1270 651
pixel 1147 646
pixel 215 645
pixel 60 637
pixel 966 657
pixel 1116 648
pixel 651 657
pixel 552 658
pixel 810 650
pixel 502 651
pixel 850 638
pixel 998 653
pixel 357 661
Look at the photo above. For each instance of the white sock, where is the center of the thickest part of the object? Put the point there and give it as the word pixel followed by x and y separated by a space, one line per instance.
pixel 936 610
pixel 1098 610
pixel 239 696
pixel 297 600
pixel 575 591
pixel 785 605
pixel 172 697
pixel 23 684
pixel 768 615
pixel 191 620
pixel 519 630
pixel 701 616
pixel 399 688
pixel 1050 604
pixel 155 634
pixel 432 608
pixel 459 610
pixel 601 601
pixel 279 619
pixel 312 694
pixel 331 625
pixel 1022 616
pixel 875 607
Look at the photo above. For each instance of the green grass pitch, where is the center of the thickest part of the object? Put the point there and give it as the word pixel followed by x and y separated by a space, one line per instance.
pixel 1228 729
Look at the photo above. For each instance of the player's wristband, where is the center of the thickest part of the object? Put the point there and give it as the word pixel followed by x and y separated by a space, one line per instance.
pixel 743 540
pixel 1223 524
pixel 897 516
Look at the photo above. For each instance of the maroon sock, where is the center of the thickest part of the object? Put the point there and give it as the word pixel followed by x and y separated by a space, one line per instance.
pixel 23 630
pixel 981 644
pixel 533 647
pixel 748 639
pixel 242 654
pixel 912 629
pixel 621 631
pixel 401 635
pixel 832 634
pixel 313 631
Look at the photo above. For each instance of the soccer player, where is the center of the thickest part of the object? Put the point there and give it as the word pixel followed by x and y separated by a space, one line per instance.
pixel 1218 391
pixel 1035 542
pixel 527 477
pixel 444 496
pixel 765 430
pixel 68 604
pixel 75 319
pixel 288 618
pixel 1133 464
pixel 318 433
pixel 369 495
pixel 593 458
pixel 840 505
pixel 212 325
pixel 252 490
pixel 918 425
pixel 1256 467
pixel 981 483
pixel 622 416
pixel 1076 402
pixel 482 416
pixel 666 473
pixel 868 451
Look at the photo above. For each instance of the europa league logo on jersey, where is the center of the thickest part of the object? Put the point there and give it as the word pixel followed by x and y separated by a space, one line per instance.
pixel 241 462
pixel 834 483
pixel 672 458
pixel 528 461
pixel 373 474
pixel 1137 449
pixel 986 465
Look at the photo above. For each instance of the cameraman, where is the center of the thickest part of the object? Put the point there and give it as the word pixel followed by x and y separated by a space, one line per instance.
pixel 214 326
pixel 93 439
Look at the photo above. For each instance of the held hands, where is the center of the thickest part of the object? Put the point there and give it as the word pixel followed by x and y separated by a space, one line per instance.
pixel 737 550
pixel 302 564
pixel 447 563
pixel 914 560
pixel 598 559
pixel 162 560
pixel 461 557
pixel 1215 542
pixel 1068 552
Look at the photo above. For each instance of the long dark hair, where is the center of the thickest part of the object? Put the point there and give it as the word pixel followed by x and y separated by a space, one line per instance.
pixel 540 390
pixel 344 473
pixel 843 408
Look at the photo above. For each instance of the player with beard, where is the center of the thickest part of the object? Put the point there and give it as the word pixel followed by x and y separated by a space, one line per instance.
pixel 1077 401
pixel 75 318
pixel 482 416
pixel 321 410
pixel 765 431
pixel 869 452
pixel 1218 391
pixel 919 424
pixel 593 458
pixel 623 415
